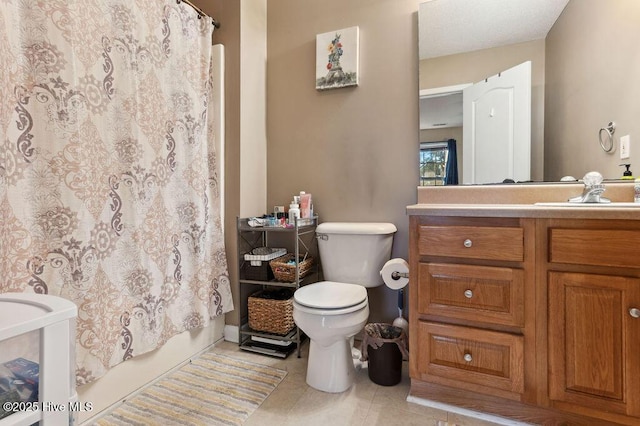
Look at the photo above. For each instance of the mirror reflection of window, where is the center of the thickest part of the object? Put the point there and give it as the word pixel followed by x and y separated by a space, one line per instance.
pixel 433 163
pixel 438 163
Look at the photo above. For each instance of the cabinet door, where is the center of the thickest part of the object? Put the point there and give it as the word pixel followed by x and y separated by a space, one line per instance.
pixel 594 341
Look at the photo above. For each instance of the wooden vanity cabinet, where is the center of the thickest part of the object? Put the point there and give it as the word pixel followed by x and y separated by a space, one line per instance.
pixel 473 279
pixel 532 318
pixel 593 278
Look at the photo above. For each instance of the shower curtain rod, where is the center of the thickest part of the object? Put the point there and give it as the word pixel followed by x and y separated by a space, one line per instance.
pixel 200 12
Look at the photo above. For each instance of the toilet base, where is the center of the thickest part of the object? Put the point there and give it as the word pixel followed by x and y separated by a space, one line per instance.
pixel 330 368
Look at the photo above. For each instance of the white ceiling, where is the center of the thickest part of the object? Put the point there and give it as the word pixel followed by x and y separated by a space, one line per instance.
pixel 447 27
pixel 454 26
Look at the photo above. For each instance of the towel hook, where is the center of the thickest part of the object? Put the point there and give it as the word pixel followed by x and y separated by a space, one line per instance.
pixel 607 145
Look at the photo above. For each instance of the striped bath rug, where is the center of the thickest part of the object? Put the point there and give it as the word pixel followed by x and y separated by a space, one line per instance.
pixel 213 389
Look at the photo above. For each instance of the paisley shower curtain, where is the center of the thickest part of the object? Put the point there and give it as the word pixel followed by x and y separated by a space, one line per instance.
pixel 109 191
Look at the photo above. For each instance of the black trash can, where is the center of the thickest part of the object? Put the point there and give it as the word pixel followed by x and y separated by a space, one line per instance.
pixel 384 346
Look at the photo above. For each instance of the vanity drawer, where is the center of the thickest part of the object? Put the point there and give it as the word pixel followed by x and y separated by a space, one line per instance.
pixel 475 293
pixel 472 242
pixel 599 247
pixel 482 357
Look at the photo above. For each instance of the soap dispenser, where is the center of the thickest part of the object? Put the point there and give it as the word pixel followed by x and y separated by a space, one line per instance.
pixel 627 173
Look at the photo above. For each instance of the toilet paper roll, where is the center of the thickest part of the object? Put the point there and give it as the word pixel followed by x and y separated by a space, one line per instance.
pixel 395 265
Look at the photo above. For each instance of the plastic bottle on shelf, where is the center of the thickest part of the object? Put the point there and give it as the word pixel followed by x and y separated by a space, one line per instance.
pixel 294 211
pixel 305 205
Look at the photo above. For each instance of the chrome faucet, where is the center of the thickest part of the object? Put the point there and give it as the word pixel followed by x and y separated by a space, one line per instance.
pixel 593 189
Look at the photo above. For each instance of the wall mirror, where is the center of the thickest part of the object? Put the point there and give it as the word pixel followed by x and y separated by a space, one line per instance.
pixel 577 83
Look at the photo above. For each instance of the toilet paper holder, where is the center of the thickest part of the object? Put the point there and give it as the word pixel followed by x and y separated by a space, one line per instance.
pixel 397 275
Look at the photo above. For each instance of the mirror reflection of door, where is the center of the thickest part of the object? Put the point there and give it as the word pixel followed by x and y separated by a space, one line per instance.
pixel 493 134
pixel 497 128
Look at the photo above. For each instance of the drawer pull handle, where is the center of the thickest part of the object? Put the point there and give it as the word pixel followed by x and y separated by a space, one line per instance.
pixel 634 312
pixel 468 357
pixel 468 243
pixel 468 294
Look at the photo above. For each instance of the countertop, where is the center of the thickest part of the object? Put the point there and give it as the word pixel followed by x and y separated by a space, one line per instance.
pixel 519 201
pixel 524 210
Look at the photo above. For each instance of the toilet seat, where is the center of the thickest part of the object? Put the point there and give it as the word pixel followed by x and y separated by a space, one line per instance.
pixel 330 298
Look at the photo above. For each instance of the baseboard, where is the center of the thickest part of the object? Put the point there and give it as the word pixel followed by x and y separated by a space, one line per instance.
pixel 465 412
pixel 499 410
pixel 232 333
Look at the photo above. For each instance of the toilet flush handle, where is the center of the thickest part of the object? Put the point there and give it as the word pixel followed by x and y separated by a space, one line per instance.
pixel 323 237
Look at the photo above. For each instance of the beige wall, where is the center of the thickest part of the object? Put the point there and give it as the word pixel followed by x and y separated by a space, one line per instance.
pixel 593 77
pixel 475 66
pixel 354 149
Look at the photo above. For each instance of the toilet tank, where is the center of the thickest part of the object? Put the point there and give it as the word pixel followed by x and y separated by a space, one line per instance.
pixel 354 252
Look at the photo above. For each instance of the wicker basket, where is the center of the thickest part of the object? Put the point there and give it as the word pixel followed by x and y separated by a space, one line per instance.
pixel 286 272
pixel 271 311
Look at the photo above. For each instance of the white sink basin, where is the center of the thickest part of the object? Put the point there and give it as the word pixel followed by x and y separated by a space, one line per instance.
pixel 568 204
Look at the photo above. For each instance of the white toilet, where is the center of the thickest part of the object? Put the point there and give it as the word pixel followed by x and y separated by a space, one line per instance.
pixel 332 312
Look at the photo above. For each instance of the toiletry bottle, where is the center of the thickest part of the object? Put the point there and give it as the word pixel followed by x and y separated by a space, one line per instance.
pixel 294 212
pixel 305 205
pixel 636 190
pixel 627 174
pixel 302 203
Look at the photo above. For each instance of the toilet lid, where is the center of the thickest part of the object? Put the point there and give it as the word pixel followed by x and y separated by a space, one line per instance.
pixel 330 295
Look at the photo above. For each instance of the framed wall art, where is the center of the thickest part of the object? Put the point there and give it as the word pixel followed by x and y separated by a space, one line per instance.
pixel 337 59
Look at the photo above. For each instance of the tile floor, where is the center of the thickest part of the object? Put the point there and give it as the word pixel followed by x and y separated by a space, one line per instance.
pixel 365 403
